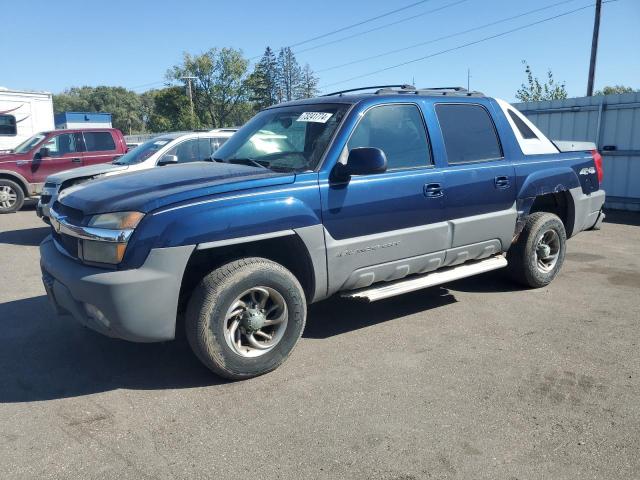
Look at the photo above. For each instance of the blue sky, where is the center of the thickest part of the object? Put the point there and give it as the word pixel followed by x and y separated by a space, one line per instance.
pixel 51 46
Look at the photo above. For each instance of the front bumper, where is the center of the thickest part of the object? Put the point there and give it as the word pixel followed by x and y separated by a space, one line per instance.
pixel 42 210
pixel 49 195
pixel 138 305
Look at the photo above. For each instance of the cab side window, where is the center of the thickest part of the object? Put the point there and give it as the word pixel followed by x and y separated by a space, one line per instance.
pixel 186 151
pixel 205 149
pixel 469 133
pixel 62 144
pixel 397 130
pixel 99 141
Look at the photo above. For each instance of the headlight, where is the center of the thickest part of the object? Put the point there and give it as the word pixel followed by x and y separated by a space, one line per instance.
pixel 116 220
pixel 109 250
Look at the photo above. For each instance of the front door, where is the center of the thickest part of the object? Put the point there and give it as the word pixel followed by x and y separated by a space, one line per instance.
pixel 65 152
pixel 388 225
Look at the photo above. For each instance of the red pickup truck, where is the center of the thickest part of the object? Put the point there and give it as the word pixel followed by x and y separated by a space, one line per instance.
pixel 24 169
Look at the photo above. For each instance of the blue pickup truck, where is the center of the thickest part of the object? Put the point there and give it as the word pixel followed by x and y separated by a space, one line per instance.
pixel 367 194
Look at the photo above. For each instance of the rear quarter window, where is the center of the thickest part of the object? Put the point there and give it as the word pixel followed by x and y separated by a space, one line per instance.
pixel 523 128
pixel 469 133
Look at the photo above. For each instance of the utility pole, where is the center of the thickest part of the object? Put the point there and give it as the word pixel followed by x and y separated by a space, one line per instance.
pixel 188 79
pixel 594 48
pixel 468 78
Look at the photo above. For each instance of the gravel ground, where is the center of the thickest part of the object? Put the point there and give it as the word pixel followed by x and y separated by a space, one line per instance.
pixel 474 379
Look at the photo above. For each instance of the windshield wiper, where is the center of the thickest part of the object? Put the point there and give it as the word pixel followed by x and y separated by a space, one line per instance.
pixel 250 161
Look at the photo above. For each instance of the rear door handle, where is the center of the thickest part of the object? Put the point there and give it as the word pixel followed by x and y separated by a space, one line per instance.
pixel 76 160
pixel 502 181
pixel 433 190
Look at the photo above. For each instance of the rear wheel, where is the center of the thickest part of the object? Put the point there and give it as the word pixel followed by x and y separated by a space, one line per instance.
pixel 537 256
pixel 245 318
pixel 11 196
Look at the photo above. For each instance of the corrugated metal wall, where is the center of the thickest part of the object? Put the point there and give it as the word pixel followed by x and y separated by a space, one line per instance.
pixel 610 121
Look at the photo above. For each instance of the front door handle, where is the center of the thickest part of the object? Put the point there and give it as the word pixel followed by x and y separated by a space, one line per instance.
pixel 76 160
pixel 502 181
pixel 433 190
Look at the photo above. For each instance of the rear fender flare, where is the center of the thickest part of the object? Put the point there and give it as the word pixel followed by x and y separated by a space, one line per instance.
pixel 546 182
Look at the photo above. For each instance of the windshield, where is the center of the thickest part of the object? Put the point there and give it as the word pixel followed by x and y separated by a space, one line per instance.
pixel 30 143
pixel 286 138
pixel 143 151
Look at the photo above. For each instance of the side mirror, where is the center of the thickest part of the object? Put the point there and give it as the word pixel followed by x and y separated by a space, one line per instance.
pixel 167 160
pixel 361 161
pixel 43 153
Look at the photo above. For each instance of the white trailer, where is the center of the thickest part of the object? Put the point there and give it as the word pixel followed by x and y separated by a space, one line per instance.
pixel 23 114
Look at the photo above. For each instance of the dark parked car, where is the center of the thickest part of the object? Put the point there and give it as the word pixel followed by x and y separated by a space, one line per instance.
pixel 24 169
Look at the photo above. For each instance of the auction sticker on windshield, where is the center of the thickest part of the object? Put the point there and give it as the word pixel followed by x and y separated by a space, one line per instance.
pixel 317 117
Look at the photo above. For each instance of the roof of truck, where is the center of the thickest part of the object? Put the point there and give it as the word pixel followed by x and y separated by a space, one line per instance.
pixel 355 95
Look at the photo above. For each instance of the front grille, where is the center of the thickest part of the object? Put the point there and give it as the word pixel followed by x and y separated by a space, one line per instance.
pixel 72 213
pixel 45 199
pixel 49 185
pixel 69 243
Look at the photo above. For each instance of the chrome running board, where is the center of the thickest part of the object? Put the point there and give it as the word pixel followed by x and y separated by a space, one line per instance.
pixel 398 287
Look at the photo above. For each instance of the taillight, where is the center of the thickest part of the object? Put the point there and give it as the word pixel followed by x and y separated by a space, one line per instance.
pixel 597 159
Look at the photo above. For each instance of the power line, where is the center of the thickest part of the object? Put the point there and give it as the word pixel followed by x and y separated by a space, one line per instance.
pixel 353 25
pixel 146 85
pixel 348 27
pixel 348 37
pixel 397 50
pixel 464 45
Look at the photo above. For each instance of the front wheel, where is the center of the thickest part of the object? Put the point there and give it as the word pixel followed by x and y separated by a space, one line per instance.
pixel 245 318
pixel 11 196
pixel 537 256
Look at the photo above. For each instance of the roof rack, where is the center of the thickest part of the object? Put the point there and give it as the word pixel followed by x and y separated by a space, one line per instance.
pixel 449 91
pixel 410 89
pixel 402 86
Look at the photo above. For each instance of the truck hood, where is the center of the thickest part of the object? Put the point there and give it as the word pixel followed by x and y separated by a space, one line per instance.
pixel 88 171
pixel 147 190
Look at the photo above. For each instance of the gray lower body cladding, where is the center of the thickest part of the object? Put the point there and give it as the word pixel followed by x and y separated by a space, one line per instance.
pixel 587 209
pixel 361 261
pixel 139 305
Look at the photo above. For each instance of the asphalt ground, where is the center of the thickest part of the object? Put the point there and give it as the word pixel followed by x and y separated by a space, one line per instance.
pixel 477 379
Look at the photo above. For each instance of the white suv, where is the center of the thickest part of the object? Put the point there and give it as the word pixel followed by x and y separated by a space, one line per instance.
pixel 165 149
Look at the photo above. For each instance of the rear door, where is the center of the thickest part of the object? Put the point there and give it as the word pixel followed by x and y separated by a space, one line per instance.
pixel 65 152
pixel 100 147
pixel 479 181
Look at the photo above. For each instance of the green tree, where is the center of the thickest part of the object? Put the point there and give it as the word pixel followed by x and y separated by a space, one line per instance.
pixel 263 81
pixel 219 86
pixel 534 91
pixel 308 83
pixel 124 105
pixel 610 90
pixel 167 109
pixel 289 75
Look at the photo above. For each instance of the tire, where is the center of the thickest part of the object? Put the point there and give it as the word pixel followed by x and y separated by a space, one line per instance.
pixel 210 318
pixel 11 196
pixel 529 262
